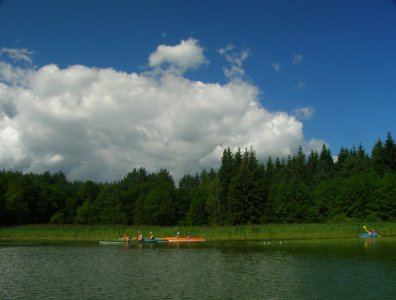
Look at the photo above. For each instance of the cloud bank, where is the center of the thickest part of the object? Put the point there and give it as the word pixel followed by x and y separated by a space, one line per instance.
pixel 99 124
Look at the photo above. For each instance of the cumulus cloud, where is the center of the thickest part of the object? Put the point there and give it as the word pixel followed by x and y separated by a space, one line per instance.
pixel 99 124
pixel 186 55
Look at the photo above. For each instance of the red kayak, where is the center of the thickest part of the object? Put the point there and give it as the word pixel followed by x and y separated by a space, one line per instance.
pixel 182 239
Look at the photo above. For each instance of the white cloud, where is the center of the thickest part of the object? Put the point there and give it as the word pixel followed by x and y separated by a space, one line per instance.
pixel 186 55
pixel 276 67
pixel 101 123
pixel 23 55
pixel 297 59
pixel 317 145
pixel 235 58
pixel 304 112
pixel 13 75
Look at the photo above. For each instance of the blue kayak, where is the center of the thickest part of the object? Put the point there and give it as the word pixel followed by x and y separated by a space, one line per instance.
pixel 369 235
pixel 121 242
pixel 155 240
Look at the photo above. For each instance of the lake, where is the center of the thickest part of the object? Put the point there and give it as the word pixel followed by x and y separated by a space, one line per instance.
pixel 324 269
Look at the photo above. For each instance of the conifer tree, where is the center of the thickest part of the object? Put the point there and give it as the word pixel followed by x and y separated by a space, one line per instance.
pixel 378 158
pixel 225 174
pixel 246 191
pixel 390 153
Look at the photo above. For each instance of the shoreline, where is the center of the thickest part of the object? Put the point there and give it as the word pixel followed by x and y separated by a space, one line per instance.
pixel 46 232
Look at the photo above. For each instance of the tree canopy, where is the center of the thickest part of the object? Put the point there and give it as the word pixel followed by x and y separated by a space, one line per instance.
pixel 304 188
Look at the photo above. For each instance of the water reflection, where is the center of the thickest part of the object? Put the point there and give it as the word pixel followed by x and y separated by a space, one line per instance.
pixel 370 243
pixel 212 270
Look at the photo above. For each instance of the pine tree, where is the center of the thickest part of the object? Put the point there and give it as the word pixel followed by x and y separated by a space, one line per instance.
pixel 312 168
pixel 225 174
pixel 390 153
pixel 297 166
pixel 378 158
pixel 246 191
pixel 185 192
pixel 325 164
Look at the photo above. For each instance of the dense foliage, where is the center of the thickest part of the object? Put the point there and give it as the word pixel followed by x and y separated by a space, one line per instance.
pixel 299 189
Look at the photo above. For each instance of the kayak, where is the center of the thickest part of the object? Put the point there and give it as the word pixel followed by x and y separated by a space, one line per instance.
pixel 369 235
pixel 121 242
pixel 182 239
pixel 155 240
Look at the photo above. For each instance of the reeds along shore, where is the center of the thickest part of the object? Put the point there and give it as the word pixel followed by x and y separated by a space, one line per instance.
pixel 219 233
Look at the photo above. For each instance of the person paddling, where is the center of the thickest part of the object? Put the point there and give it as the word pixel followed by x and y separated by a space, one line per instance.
pixel 126 237
pixel 151 236
pixel 373 232
pixel 139 236
pixel 370 231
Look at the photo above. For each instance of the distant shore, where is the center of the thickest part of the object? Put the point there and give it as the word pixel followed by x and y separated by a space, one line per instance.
pixel 220 233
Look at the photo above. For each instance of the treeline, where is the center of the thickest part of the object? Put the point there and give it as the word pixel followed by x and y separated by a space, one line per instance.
pixel 300 189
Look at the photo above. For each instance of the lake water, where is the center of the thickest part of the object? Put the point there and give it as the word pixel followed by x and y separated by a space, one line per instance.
pixel 327 269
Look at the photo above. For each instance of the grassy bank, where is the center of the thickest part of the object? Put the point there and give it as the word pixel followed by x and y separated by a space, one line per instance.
pixel 246 232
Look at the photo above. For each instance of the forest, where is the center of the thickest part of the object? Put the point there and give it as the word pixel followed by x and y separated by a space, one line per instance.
pixel 304 188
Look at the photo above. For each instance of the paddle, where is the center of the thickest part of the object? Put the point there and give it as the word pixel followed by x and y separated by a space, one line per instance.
pixel 365 228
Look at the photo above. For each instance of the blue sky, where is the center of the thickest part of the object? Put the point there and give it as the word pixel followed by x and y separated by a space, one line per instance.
pixel 334 60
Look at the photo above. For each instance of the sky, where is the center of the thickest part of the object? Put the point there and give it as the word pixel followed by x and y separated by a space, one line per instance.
pixel 97 88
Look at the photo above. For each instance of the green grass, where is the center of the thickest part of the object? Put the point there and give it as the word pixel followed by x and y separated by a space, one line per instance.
pixel 245 232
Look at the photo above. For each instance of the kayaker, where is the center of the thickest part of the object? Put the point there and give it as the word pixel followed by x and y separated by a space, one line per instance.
pixel 188 235
pixel 373 232
pixel 151 236
pixel 126 237
pixel 139 236
pixel 177 235
pixel 370 231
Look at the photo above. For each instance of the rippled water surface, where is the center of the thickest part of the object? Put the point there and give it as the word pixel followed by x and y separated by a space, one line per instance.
pixel 342 269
